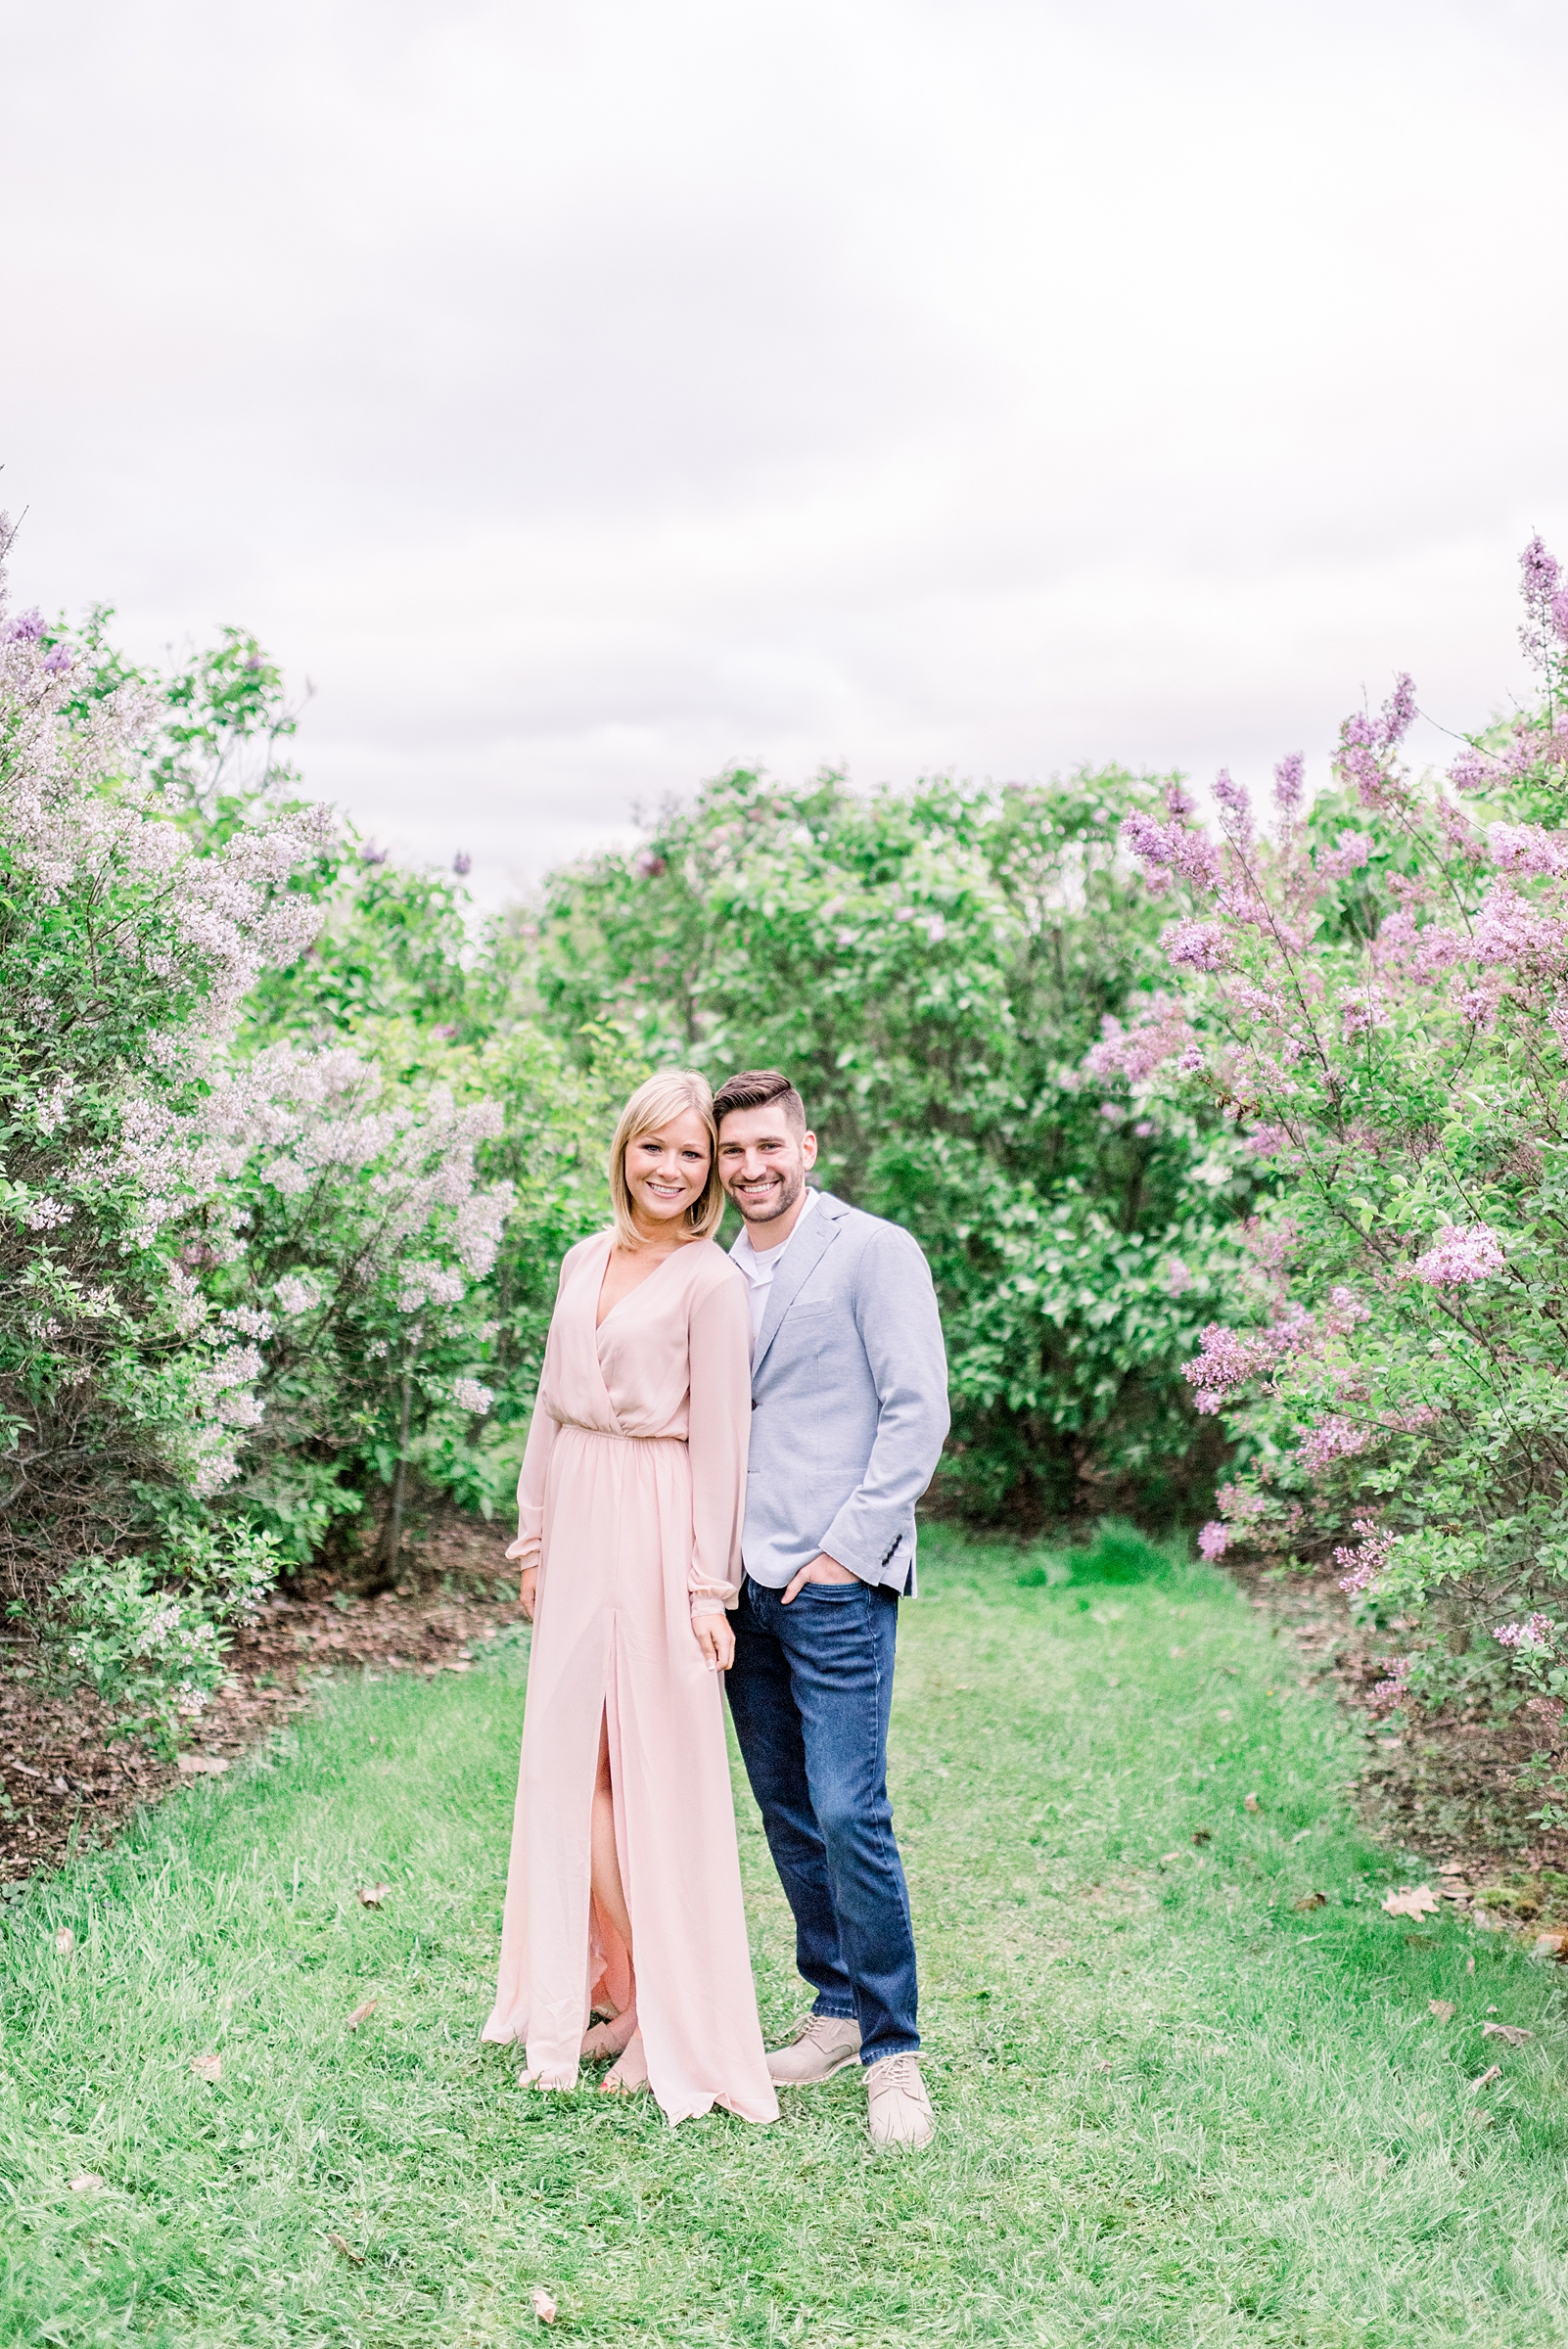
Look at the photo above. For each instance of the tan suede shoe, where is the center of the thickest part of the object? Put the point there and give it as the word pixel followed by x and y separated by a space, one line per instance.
pixel 822 2045
pixel 898 2107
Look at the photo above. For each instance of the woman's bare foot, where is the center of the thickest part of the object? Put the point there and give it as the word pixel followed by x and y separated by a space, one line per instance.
pixel 610 2037
pixel 630 2073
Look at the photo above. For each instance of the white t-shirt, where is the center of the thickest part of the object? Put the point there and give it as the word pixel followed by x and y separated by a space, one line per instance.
pixel 761 1264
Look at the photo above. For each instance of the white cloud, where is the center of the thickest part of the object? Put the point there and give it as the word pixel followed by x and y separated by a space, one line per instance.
pixel 583 397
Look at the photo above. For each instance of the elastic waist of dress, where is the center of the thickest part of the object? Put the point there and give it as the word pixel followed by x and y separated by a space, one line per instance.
pixel 620 1435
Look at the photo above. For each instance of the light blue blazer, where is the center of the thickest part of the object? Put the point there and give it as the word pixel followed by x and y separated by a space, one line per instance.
pixel 849 1401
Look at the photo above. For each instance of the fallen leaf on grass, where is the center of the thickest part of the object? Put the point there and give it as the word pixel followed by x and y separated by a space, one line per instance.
pixel 361 2014
pixel 1443 2009
pixel 85 2182
pixel 1551 1945
pixel 542 2305
pixel 1203 1834
pixel 1486 2077
pixel 208 2067
pixel 371 1896
pixel 1249 1801
pixel 1508 2031
pixel 200 1766
pixel 1165 1859
pixel 346 2251
pixel 1450 1868
pixel 1413 1899
pixel 65 1942
pixel 1311 1900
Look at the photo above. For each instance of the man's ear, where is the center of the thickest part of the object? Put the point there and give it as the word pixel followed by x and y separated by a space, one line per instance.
pixel 809 1150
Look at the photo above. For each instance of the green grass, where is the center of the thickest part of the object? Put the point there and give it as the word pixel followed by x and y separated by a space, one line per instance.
pixel 1173 2107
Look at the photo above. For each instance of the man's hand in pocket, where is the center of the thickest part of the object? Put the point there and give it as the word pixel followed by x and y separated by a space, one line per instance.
pixel 822 1569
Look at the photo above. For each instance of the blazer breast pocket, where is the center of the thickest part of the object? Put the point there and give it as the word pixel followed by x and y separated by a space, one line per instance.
pixel 808 1322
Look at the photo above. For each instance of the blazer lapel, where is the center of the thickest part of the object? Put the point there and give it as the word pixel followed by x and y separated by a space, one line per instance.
pixel 806 1249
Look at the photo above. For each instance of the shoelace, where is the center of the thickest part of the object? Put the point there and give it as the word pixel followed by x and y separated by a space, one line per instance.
pixel 893 2071
pixel 815 2026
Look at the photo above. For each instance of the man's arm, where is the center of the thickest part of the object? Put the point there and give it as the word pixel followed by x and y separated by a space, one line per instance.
pixel 895 1309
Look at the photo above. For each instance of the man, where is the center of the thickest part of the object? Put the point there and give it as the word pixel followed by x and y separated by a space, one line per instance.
pixel 849 1411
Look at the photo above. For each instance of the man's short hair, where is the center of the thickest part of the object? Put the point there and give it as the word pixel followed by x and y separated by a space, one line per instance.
pixel 760 1088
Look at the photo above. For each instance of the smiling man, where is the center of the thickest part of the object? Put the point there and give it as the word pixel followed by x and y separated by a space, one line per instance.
pixel 848 1415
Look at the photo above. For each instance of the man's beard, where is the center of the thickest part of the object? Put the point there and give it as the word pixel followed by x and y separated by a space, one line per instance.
pixel 789 1191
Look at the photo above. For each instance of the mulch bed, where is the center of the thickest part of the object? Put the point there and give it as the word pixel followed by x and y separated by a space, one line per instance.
pixel 1443 1786
pixel 68 1784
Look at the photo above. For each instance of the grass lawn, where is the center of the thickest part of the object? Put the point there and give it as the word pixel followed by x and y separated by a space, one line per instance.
pixel 1176 2106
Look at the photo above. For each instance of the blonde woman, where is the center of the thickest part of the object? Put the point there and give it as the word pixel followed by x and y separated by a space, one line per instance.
pixel 623 1892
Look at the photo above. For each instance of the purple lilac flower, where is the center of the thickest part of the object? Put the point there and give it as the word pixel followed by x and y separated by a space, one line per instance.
pixel 1399 712
pixel 1533 1635
pixel 1232 797
pixel 1158 1029
pixel 25 628
pixel 1540 581
pixel 1289 783
pixel 1332 1439
pixel 461 864
pixel 1540 572
pixel 1389 1690
pixel 1528 849
pixel 1226 1361
pixel 1348 855
pixel 1367 1561
pixel 1460 1256
pixel 57 662
pixel 1473 771
pixel 1197 946
pixel 1170 846
pixel 1213 1540
pixel 1559 613
pixel 1508 928
pixel 1178 803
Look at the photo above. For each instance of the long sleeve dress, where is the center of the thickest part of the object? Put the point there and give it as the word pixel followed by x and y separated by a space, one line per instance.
pixel 631 1500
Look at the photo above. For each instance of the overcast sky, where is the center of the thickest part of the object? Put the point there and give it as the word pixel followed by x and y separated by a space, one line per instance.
pixel 584 396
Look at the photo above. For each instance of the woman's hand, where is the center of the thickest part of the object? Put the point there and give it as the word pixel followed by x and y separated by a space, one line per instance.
pixel 527 1582
pixel 715 1635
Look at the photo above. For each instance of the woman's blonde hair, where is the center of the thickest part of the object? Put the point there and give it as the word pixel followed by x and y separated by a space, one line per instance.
pixel 652 1105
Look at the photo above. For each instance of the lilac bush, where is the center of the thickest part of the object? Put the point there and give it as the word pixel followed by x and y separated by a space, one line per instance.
pixel 1376 994
pixel 185 1222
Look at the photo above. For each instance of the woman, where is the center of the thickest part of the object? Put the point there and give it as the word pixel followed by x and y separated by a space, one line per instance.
pixel 623 1891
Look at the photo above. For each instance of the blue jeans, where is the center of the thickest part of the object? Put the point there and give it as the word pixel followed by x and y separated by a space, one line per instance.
pixel 809 1691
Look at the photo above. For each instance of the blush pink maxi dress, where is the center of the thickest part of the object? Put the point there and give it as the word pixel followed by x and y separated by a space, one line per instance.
pixel 632 1498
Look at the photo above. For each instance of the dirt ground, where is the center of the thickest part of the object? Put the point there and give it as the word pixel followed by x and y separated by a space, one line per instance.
pixel 65 1784
pixel 1446 1787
